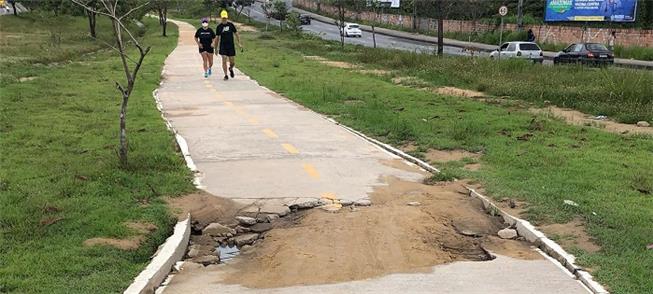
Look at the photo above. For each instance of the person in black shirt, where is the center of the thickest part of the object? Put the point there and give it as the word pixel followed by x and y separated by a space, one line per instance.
pixel 204 37
pixel 225 43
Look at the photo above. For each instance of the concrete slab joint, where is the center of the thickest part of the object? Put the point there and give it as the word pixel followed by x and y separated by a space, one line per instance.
pixel 170 252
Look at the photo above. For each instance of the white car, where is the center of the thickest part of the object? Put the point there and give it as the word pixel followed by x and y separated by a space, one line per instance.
pixel 523 50
pixel 351 30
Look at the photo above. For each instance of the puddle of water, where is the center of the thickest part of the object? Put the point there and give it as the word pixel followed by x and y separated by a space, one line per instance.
pixel 227 252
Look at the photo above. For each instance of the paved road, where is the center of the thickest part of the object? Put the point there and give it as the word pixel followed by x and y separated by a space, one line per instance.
pixel 331 32
pixel 252 145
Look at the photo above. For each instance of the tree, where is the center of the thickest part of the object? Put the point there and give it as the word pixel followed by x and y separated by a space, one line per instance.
pixel 245 4
pixel 161 7
pixel 267 9
pixel 111 10
pixel 91 18
pixel 440 27
pixel 294 23
pixel 340 22
pixel 280 11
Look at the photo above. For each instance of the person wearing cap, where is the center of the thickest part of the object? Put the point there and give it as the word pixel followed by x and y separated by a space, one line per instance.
pixel 225 44
pixel 204 37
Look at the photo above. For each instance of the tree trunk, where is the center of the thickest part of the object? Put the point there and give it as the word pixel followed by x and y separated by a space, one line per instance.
pixel 373 36
pixel 13 6
pixel 165 21
pixel 123 130
pixel 91 23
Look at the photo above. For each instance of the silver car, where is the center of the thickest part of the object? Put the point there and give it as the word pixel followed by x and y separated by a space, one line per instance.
pixel 523 50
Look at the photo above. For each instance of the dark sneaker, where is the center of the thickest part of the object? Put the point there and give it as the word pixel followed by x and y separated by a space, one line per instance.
pixel 231 71
pixel 226 78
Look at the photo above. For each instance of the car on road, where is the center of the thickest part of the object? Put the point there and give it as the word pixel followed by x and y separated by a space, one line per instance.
pixel 522 50
pixel 351 30
pixel 305 19
pixel 585 53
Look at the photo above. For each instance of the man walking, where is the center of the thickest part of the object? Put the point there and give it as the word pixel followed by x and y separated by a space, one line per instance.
pixel 225 44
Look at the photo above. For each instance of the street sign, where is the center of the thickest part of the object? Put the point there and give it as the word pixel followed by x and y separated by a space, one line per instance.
pixel 503 10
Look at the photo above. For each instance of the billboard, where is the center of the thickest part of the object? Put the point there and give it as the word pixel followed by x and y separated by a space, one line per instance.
pixel 591 10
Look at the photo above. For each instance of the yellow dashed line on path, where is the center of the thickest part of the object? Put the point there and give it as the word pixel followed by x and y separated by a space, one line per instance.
pixel 270 133
pixel 253 120
pixel 290 148
pixel 311 171
pixel 228 103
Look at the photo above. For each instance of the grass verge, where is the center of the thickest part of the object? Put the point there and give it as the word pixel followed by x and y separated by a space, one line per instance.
pixel 536 159
pixel 60 179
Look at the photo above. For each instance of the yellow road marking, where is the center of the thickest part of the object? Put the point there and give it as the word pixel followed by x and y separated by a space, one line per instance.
pixel 253 120
pixel 228 103
pixel 240 110
pixel 311 171
pixel 208 86
pixel 270 133
pixel 290 148
pixel 329 195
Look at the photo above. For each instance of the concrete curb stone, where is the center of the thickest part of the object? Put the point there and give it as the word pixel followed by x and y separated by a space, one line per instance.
pixel 158 269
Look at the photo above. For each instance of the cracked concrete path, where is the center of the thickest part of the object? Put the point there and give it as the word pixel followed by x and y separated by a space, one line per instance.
pixel 250 144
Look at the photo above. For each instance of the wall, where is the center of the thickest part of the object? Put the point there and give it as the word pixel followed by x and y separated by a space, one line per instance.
pixel 544 33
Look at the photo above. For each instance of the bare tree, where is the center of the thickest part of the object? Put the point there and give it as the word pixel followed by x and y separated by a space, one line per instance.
pixel 340 22
pixel 267 10
pixel 13 6
pixel 91 18
pixel 110 10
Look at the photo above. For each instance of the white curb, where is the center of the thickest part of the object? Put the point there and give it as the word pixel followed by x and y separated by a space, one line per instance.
pixel 181 142
pixel 170 252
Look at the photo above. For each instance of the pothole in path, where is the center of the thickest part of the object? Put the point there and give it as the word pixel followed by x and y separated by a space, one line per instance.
pixel 227 252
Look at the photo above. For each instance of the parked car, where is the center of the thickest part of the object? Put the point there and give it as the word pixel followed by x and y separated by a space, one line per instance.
pixel 351 30
pixel 305 19
pixel 522 50
pixel 585 53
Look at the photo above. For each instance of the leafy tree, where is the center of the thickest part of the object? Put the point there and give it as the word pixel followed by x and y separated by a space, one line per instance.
pixel 242 4
pixel 161 7
pixel 294 23
pixel 279 11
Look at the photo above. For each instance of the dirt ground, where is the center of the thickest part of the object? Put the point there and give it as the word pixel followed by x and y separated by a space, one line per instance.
pixel 315 246
pixel 571 234
pixel 578 118
pixel 453 91
pixel 435 155
pixel 131 243
pixel 338 64
pixel 205 208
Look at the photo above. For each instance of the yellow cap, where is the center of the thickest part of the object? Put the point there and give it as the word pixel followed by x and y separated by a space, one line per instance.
pixel 224 14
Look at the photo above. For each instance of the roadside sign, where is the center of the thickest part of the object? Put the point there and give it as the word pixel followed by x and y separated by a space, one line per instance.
pixel 503 10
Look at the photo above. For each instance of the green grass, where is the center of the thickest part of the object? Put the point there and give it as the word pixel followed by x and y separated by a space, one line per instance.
pixel 59 138
pixel 596 169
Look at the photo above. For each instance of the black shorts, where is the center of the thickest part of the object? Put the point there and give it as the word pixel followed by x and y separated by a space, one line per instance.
pixel 205 48
pixel 227 50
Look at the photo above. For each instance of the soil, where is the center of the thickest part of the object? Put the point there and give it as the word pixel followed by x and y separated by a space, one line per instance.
pixel 453 91
pixel 435 155
pixel 578 118
pixel 376 72
pixel 410 82
pixel 338 64
pixel 245 28
pixel 570 235
pixel 131 243
pixel 315 247
pixel 472 166
pixel 204 207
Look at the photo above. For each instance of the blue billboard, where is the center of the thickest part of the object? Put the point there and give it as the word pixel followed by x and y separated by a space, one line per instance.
pixel 591 10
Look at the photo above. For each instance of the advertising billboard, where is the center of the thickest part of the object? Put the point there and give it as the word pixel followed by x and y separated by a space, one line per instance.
pixel 591 10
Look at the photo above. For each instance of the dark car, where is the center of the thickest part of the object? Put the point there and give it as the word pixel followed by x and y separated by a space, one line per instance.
pixel 585 53
pixel 305 19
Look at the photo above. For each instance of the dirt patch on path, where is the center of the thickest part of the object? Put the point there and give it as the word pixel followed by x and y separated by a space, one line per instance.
pixel 204 207
pixel 571 234
pixel 389 237
pixel 581 119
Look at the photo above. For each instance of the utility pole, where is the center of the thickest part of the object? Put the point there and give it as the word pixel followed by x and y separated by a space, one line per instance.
pixel 415 15
pixel 520 15
pixel 440 28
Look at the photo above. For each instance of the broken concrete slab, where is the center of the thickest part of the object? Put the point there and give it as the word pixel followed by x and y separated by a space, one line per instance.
pixel 217 230
pixel 245 220
pixel 246 239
